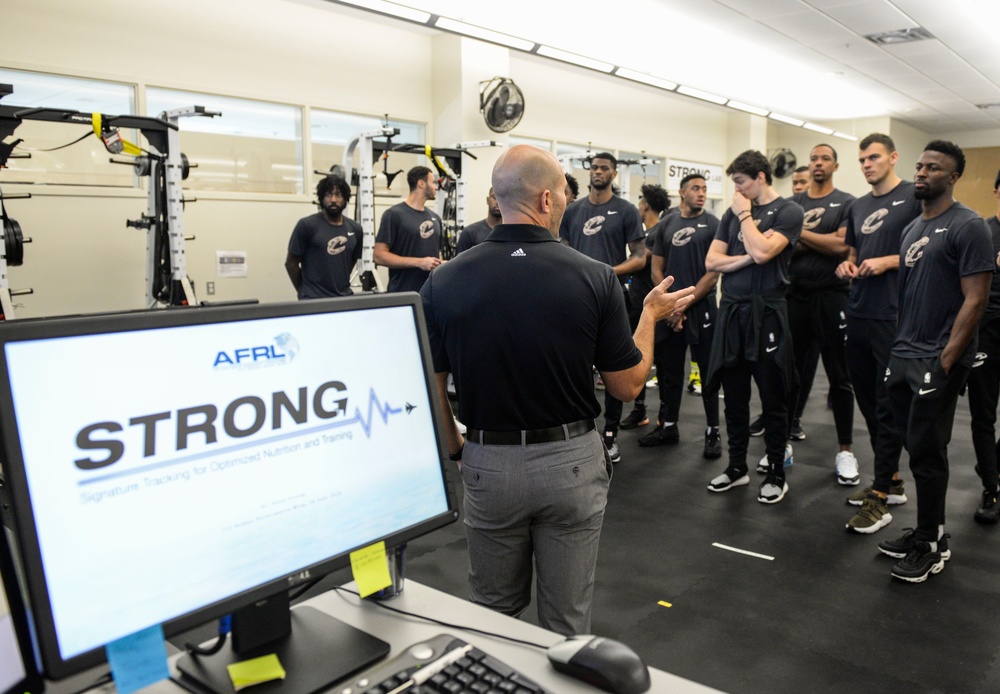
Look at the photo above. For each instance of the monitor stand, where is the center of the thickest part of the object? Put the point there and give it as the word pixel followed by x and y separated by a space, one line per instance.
pixel 318 652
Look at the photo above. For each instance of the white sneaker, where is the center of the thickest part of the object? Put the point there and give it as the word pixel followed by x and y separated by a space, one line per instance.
pixel 847 469
pixel 763 466
pixel 461 427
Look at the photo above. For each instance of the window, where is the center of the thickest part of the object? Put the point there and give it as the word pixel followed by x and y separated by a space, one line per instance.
pixel 254 146
pixel 84 163
pixel 632 179
pixel 541 144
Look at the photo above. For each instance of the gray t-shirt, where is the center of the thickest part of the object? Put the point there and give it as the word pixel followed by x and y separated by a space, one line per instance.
pixel 783 217
pixel 874 229
pixel 811 270
pixel 328 254
pixel 413 234
pixel 602 232
pixel 936 254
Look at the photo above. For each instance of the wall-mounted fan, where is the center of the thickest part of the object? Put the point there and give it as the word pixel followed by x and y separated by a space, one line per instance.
pixel 501 103
pixel 783 163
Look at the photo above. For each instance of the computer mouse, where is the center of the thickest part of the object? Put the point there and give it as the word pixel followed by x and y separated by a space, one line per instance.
pixel 604 663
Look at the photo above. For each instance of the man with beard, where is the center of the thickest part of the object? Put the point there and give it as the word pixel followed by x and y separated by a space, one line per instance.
pixel 533 467
pixel 682 242
pixel 944 278
pixel 874 229
pixel 325 246
pixel 477 232
pixel 600 226
pixel 409 235
pixel 817 304
pixel 653 203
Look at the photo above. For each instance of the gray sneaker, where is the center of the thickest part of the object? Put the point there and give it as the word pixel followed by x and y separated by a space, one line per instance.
pixel 614 454
pixel 729 479
pixel 772 490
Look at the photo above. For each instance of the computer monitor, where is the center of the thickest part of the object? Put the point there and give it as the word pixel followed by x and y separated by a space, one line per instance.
pixel 18 671
pixel 169 467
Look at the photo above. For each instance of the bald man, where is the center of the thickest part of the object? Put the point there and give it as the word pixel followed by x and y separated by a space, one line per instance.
pixel 534 468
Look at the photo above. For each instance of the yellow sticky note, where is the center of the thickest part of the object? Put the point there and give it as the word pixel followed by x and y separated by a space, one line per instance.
pixel 255 671
pixel 371 569
pixel 664 603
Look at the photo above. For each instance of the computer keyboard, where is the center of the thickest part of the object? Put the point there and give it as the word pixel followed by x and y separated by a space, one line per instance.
pixel 441 665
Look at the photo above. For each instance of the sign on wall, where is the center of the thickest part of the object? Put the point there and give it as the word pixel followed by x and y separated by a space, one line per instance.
pixel 677 169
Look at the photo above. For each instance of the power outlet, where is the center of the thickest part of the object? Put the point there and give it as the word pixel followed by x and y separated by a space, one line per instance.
pixel 210 288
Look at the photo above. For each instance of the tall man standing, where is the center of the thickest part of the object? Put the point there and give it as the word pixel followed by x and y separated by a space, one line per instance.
pixel 944 279
pixel 326 246
pixel 409 235
pixel 752 249
pixel 817 304
pixel 476 233
pixel 653 202
pixel 874 229
pixel 535 470
pixel 600 226
pixel 984 386
pixel 681 243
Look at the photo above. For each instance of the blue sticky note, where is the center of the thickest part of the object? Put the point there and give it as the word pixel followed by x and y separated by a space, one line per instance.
pixel 138 660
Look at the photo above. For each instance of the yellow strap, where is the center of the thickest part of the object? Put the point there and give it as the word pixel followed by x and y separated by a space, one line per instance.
pixel 127 147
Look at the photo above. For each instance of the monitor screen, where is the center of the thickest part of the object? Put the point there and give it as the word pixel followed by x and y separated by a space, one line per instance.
pixel 170 466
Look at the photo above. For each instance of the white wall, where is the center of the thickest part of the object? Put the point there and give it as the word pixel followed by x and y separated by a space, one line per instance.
pixel 316 54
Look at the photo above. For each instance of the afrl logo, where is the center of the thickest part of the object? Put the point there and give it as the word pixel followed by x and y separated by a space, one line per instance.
pixel 282 351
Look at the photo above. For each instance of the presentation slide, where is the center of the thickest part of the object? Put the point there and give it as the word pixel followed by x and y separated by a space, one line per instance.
pixel 169 469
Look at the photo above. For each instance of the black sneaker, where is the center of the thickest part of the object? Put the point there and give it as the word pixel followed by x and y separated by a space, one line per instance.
pixel 729 479
pixel 919 563
pixel 757 426
pixel 661 435
pixel 772 490
pixel 989 510
pixel 898 549
pixel 713 444
pixel 795 432
pixel 636 418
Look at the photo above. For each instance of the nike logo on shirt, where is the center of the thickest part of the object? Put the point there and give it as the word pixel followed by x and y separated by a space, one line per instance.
pixel 836 204
pixel 938 231
pixel 925 391
pixel 771 349
pixel 702 226
pixel 897 202
pixel 612 211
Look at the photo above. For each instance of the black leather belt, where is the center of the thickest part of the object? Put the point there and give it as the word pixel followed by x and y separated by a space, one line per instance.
pixel 515 438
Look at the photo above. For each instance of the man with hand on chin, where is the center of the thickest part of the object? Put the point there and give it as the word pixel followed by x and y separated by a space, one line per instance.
pixel 325 246
pixel 752 249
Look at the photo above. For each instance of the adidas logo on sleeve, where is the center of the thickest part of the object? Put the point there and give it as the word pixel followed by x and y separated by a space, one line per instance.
pixel 519 253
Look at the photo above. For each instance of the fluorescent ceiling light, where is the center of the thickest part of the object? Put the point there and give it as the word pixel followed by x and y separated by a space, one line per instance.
pixel 484 34
pixel 740 106
pixel 704 96
pixel 818 128
pixel 786 119
pixel 390 8
pixel 645 79
pixel 845 136
pixel 580 60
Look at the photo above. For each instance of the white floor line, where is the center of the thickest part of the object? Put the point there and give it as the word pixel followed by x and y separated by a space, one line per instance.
pixel 742 551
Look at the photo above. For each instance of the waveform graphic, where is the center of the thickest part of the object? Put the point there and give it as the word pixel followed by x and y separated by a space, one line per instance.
pixel 383 411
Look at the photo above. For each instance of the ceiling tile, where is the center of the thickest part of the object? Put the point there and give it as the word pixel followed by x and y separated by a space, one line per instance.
pixel 809 27
pixel 870 17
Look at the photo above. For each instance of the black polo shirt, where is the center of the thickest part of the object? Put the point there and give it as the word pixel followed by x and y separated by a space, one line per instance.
pixel 519 320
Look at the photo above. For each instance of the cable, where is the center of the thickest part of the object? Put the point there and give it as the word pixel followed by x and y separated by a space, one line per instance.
pixel 446 624
pixel 308 586
pixel 224 626
pixel 53 149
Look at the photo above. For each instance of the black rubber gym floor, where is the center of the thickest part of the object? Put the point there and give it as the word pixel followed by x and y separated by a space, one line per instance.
pixel 822 616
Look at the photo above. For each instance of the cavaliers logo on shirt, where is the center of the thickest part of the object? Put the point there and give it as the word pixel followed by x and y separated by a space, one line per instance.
pixel 916 251
pixel 593 225
pixel 812 218
pixel 873 222
pixel 683 236
pixel 427 229
pixel 336 245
